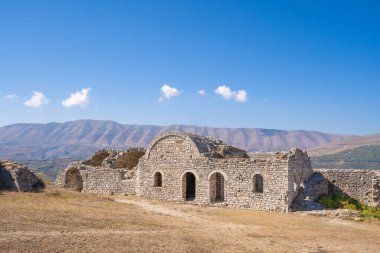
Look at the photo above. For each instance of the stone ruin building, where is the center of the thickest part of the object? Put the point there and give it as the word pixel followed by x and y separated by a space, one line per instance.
pixel 189 168
pixel 16 177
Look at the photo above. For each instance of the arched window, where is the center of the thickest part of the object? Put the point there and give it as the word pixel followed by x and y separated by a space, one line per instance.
pixel 157 180
pixel 258 183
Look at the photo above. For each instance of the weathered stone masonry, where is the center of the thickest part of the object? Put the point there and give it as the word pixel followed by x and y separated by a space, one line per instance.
pixel 175 155
pixel 362 185
pixel 17 177
pixel 200 170
pixel 106 172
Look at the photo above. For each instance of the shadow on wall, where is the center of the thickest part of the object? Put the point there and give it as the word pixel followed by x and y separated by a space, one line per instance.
pixel 6 180
pixel 357 185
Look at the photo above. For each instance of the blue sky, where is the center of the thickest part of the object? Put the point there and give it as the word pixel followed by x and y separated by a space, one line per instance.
pixel 312 65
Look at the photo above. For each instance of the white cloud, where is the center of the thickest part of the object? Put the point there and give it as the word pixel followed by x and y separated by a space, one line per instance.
pixel 202 92
pixel 38 99
pixel 78 98
pixel 168 92
pixel 240 96
pixel 226 92
pixel 10 97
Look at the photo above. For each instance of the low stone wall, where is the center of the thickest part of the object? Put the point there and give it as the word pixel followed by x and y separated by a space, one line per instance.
pixel 16 177
pixel 107 181
pixel 362 185
pixel 98 180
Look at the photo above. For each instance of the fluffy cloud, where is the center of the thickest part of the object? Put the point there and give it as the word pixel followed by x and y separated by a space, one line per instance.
pixel 78 98
pixel 240 96
pixel 202 92
pixel 226 92
pixel 168 92
pixel 38 99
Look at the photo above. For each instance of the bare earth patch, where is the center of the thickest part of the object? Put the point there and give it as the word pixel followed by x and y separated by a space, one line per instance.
pixel 63 221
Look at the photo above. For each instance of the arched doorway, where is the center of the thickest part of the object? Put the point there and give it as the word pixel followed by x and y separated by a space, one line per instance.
pixel 217 187
pixel 73 179
pixel 189 186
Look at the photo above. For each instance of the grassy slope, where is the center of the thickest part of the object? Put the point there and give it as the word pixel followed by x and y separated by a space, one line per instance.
pixel 349 143
pixel 366 157
pixel 58 220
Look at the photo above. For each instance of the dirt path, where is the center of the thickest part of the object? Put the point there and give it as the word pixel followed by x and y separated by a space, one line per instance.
pixel 157 209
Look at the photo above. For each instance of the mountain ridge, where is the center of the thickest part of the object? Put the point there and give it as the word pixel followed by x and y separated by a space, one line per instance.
pixel 77 139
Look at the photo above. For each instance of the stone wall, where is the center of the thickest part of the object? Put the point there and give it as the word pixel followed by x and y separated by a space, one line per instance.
pixel 300 171
pixel 188 168
pixel 101 174
pixel 200 170
pixel 362 185
pixel 16 177
pixel 238 189
pixel 107 181
pixel 171 147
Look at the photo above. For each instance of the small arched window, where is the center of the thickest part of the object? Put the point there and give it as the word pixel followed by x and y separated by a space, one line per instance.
pixel 258 183
pixel 157 179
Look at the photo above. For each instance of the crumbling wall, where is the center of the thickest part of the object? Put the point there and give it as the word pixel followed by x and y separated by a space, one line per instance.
pixel 214 148
pixel 127 159
pixel 97 158
pixel 362 185
pixel 17 177
pixel 106 172
pixel 300 171
pixel 73 179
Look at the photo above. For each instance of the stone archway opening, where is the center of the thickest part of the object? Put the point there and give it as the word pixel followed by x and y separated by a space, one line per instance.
pixel 189 186
pixel 217 187
pixel 73 179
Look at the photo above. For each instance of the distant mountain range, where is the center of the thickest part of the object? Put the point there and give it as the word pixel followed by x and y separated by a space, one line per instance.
pixel 78 139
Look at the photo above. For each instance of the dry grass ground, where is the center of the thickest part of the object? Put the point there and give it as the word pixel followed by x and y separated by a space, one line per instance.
pixel 58 220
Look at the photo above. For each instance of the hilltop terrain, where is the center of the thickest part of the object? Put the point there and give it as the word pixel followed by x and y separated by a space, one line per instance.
pixel 346 144
pixel 359 152
pixel 365 157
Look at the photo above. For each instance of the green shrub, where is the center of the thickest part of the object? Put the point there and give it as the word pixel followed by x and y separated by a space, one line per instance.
pixel 370 211
pixel 343 201
pixel 328 202
pixel 350 206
